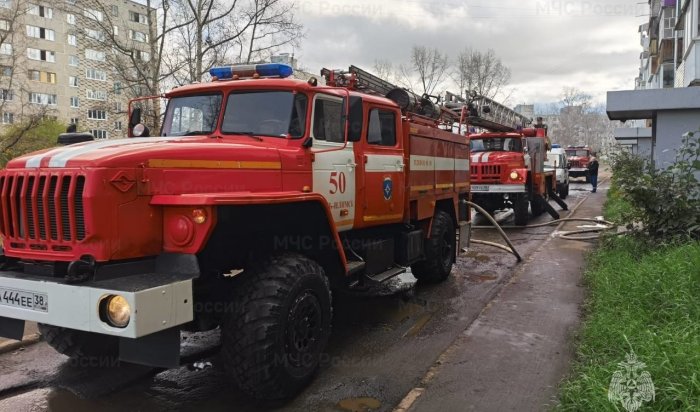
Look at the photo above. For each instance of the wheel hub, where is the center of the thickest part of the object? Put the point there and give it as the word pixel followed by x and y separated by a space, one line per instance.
pixel 304 329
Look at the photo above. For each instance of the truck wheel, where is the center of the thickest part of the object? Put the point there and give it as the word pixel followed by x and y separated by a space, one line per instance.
pixel 80 345
pixel 536 206
pixel 520 209
pixel 439 251
pixel 279 326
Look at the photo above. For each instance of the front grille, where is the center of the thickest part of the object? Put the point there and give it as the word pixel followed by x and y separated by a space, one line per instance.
pixel 486 173
pixel 42 207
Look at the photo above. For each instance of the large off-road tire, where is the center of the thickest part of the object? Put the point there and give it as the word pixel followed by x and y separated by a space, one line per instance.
pixel 520 209
pixel 278 328
pixel 564 191
pixel 536 206
pixel 440 251
pixel 79 345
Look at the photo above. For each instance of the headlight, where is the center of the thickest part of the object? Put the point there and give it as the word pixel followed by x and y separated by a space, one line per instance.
pixel 514 175
pixel 115 311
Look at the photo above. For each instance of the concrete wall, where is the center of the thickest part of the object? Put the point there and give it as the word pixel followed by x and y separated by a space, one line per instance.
pixel 670 128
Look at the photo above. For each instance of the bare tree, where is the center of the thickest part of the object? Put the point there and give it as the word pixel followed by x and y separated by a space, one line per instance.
pixel 214 33
pixel 572 96
pixel 21 117
pixel 429 65
pixel 481 72
pixel 384 69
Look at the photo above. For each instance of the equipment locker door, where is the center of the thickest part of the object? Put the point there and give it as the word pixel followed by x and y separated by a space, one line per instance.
pixel 334 166
pixel 383 174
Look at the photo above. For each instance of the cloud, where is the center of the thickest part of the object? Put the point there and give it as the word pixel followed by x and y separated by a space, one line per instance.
pixel 548 44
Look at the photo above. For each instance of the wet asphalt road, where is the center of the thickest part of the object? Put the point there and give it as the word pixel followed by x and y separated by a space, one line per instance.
pixel 380 349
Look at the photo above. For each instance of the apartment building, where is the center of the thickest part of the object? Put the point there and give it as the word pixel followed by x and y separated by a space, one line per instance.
pixel 663 107
pixel 58 58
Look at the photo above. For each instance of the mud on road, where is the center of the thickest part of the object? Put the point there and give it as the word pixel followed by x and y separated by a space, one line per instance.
pixel 380 349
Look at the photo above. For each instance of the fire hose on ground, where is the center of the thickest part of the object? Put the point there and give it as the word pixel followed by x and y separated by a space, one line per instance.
pixel 602 226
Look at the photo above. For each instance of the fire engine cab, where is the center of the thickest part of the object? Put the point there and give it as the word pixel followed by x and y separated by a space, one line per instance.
pixel 507 160
pixel 579 157
pixel 260 194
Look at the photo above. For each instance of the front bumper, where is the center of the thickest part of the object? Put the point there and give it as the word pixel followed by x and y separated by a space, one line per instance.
pixel 477 188
pixel 158 302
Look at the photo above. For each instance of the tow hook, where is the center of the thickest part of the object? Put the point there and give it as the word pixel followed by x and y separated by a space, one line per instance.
pixel 81 270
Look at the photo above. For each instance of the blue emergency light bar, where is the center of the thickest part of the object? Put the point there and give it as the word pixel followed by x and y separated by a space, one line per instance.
pixel 556 146
pixel 247 71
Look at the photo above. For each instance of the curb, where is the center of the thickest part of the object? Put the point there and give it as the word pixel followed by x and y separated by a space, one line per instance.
pixel 27 340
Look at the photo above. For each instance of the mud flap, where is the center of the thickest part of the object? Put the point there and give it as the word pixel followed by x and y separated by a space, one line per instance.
pixel 557 199
pixel 465 234
pixel 160 350
pixel 11 328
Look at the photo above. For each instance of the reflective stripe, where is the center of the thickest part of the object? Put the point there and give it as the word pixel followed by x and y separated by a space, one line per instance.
pixel 59 157
pixel 432 163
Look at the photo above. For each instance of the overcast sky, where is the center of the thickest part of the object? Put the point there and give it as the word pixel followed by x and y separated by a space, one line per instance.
pixel 548 44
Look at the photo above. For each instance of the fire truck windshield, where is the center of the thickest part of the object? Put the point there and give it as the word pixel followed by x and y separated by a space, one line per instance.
pixel 191 115
pixel 577 153
pixel 266 113
pixel 495 144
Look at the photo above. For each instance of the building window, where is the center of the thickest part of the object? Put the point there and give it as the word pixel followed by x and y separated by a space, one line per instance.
pixel 117 88
pixel 117 125
pixel 43 55
pixel 6 70
pixel 6 48
pixel 93 14
pixel 70 18
pixel 99 134
pixel 118 107
pixel 96 94
pixel 6 95
pixel 43 98
pixel 41 11
pixel 142 55
pixel 115 30
pixel 115 10
pixel 95 55
pixel 96 114
pixel 8 118
pixel 4 25
pixel 138 36
pixel 74 101
pixel 6 4
pixel 73 60
pixel 138 17
pixel 72 40
pixel 73 81
pixel 95 34
pixel 44 77
pixel 95 74
pixel 40 33
pixel 74 120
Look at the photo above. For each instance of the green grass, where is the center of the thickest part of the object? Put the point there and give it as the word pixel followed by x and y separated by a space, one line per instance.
pixel 642 298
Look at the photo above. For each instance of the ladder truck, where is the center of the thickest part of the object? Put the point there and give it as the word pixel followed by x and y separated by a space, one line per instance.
pixel 260 194
pixel 507 158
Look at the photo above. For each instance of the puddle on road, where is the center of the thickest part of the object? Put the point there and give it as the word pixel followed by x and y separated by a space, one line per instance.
pixel 478 257
pixel 359 404
pixel 483 277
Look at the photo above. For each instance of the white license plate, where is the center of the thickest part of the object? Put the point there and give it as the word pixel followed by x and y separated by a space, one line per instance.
pixel 24 299
pixel 480 188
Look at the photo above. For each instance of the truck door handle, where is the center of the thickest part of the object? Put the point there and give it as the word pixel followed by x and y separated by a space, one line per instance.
pixel 351 166
pixel 400 166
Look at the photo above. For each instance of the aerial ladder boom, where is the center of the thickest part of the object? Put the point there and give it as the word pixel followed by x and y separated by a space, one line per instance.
pixel 486 113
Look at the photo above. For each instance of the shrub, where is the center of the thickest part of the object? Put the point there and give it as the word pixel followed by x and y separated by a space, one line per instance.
pixel 665 202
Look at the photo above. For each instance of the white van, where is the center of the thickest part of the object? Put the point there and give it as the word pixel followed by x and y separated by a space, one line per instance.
pixel 557 160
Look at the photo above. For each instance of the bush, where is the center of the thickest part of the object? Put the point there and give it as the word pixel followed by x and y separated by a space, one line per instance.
pixel 30 135
pixel 665 202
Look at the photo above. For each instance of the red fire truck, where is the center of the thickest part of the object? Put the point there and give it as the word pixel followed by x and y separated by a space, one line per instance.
pixel 507 162
pixel 260 195
pixel 579 157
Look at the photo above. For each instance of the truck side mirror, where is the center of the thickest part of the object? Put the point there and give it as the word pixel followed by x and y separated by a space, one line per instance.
pixel 135 117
